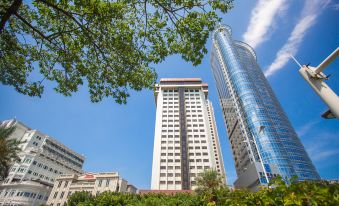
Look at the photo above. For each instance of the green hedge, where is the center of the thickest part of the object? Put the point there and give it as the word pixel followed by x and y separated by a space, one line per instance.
pixel 299 193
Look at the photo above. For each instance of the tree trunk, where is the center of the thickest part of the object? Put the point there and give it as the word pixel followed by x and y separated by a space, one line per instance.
pixel 8 13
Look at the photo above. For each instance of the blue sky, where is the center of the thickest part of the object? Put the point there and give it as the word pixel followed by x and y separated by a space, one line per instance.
pixel 120 137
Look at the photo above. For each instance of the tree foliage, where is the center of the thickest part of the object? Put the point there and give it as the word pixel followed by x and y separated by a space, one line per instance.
pixel 299 193
pixel 209 183
pixel 80 198
pixel 108 45
pixel 8 150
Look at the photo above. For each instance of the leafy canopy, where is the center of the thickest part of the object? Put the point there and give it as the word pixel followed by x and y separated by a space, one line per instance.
pixel 80 197
pixel 108 44
pixel 209 182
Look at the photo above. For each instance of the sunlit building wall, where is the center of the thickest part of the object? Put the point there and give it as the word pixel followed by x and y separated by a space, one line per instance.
pixel 186 140
pixel 42 160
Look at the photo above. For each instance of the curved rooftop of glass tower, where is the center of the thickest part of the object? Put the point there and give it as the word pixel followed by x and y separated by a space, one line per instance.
pixel 239 43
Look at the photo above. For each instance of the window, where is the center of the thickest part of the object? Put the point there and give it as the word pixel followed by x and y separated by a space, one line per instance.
pixel 55 195
pixel 66 183
pixel 62 194
pixel 100 182
pixel 59 184
pixel 107 183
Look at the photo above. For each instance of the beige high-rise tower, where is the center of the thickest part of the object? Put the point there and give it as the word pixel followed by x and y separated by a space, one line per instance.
pixel 186 141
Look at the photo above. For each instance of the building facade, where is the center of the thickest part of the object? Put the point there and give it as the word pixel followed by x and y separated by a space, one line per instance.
pixel 264 144
pixel 94 183
pixel 42 159
pixel 186 141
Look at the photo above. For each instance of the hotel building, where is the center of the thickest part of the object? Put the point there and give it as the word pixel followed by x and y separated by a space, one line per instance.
pixel 263 141
pixel 42 159
pixel 186 141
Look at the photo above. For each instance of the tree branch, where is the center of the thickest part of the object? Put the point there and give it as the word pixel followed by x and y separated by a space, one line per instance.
pixel 9 12
pixel 146 22
pixel 170 16
pixel 32 27
pixel 86 31
pixel 42 35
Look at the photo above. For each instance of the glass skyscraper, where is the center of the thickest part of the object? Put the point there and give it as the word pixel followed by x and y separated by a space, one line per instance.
pixel 264 144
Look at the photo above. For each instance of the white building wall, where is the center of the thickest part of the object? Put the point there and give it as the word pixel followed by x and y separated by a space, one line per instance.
pixel 38 167
pixel 157 141
pixel 215 141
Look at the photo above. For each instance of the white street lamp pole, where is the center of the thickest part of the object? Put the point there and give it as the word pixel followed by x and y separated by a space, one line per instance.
pixel 315 78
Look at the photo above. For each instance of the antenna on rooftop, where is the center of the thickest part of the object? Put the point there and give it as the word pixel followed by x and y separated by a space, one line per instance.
pixel 296 61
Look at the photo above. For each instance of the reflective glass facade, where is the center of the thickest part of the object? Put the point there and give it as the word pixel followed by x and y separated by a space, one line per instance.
pixel 257 127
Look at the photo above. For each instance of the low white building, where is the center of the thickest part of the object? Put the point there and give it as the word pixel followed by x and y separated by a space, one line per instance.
pixel 30 181
pixel 131 189
pixel 94 183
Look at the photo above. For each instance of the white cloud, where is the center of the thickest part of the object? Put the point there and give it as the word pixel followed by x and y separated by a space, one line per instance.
pixel 262 19
pixel 311 11
pixel 321 145
pixel 306 128
pixel 321 155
